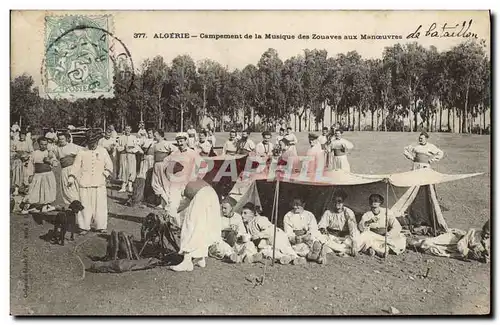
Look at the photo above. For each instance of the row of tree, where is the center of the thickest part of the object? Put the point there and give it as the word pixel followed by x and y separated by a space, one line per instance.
pixel 409 81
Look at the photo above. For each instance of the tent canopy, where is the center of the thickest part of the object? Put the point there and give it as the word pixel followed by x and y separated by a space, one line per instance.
pixel 408 192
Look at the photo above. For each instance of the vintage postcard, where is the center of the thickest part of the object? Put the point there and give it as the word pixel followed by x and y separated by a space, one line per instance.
pixel 250 163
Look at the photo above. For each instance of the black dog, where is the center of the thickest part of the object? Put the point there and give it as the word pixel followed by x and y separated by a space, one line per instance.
pixel 66 220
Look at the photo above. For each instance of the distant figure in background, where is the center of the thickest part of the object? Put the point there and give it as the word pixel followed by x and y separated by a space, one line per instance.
pixel 245 145
pixel 51 135
pixel 147 149
pixel 142 133
pixel 265 147
pixel 22 167
pixel 14 135
pixel 109 143
pixel 114 134
pixel 292 139
pixel 337 152
pixel 15 127
pixel 211 136
pixel 230 146
pixel 192 138
pixel 280 136
pixel 29 137
pixel 316 153
pixel 128 145
pixel 323 138
pixel 423 154
pixel 43 188
pixel 203 146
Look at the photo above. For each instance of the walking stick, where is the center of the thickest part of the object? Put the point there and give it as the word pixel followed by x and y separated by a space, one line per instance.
pixel 386 216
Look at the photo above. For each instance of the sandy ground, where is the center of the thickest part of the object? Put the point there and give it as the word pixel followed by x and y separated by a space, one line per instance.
pixel 50 280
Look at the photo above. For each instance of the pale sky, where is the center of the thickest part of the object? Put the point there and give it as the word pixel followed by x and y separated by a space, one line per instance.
pixel 27 33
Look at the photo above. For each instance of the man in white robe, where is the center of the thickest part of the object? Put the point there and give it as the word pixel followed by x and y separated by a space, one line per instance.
pixel 90 170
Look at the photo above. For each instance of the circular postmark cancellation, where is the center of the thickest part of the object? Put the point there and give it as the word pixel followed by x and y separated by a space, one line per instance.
pixel 83 59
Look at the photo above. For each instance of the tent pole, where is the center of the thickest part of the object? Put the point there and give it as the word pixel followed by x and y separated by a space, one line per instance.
pixel 433 213
pixel 386 217
pixel 276 200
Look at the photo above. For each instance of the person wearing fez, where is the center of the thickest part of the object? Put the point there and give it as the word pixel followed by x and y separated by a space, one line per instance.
pixel 91 168
pixel 372 228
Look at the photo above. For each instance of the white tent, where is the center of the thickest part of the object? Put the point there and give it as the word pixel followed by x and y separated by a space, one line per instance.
pixel 412 193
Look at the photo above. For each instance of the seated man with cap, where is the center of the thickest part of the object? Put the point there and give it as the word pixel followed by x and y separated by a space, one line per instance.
pixel 230 146
pixel 372 228
pixel 235 245
pixel 265 147
pixel 338 226
pixel 301 227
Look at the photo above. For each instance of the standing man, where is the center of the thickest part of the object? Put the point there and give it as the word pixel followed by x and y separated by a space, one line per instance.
pixel 230 147
pixel 90 170
pixel 323 138
pixel 127 148
pixel 280 136
pixel 147 150
pixel 423 154
pixel 192 137
pixel 211 136
pixel 292 139
pixel 337 152
pixel 316 152
pixel 22 167
pixel 245 145
pixel 51 135
pixel 43 188
pixel 265 148
pixel 109 143
pixel 66 154
pixel 142 133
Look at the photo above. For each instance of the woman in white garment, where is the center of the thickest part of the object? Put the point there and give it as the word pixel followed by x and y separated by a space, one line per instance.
pixel 338 148
pixel 22 166
pixel 201 226
pixel 372 228
pixel 66 153
pixel 424 153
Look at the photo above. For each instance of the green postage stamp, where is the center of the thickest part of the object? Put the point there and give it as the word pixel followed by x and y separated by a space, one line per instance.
pixel 78 61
